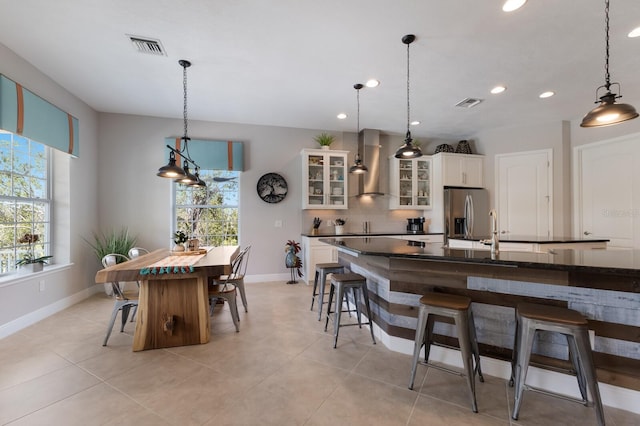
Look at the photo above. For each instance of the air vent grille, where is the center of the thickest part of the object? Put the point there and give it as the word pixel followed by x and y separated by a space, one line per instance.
pixel 147 45
pixel 468 103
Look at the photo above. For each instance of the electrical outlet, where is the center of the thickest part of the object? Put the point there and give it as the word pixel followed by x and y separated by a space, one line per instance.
pixel 278 224
pixel 41 285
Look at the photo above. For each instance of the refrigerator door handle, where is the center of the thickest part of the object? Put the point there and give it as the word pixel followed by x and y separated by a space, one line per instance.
pixel 468 214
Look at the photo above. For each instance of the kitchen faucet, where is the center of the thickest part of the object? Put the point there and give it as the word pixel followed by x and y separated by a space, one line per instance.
pixel 495 243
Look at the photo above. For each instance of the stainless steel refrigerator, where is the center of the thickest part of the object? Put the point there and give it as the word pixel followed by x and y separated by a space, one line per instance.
pixel 466 213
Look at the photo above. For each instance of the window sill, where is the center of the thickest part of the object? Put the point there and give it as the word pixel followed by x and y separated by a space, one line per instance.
pixel 12 278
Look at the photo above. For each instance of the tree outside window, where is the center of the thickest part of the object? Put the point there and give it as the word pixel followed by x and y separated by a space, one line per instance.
pixel 209 214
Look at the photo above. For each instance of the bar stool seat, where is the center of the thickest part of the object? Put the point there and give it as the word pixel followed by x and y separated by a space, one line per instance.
pixel 457 308
pixel 322 270
pixel 530 318
pixel 340 283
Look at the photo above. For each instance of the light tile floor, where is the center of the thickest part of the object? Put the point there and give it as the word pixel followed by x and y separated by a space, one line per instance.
pixel 280 369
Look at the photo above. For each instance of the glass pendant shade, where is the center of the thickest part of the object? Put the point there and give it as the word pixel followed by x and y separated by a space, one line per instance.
pixel 358 167
pixel 171 170
pixel 608 113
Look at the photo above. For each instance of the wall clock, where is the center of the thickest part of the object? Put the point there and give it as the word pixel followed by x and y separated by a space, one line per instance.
pixel 272 188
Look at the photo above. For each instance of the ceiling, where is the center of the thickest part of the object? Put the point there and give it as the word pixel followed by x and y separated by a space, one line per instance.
pixel 293 63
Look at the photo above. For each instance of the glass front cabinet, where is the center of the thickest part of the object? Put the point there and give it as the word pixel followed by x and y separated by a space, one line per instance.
pixel 411 183
pixel 325 172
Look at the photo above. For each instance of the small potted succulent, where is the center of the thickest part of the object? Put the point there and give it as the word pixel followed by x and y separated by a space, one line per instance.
pixel 339 224
pixel 29 262
pixel 179 238
pixel 325 140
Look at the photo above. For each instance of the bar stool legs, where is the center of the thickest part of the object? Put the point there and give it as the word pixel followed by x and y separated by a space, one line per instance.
pixel 456 307
pixel 339 284
pixel 532 317
pixel 322 270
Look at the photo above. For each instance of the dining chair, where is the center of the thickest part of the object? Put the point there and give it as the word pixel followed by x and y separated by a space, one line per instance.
pixel 137 251
pixel 238 272
pixel 124 299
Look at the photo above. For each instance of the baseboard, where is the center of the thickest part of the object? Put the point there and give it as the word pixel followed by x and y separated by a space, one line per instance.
pixel 46 311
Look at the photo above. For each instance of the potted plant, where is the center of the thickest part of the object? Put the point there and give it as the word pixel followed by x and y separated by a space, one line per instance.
pixel 119 242
pixel 29 262
pixel 339 224
pixel 325 140
pixel 292 261
pixel 179 237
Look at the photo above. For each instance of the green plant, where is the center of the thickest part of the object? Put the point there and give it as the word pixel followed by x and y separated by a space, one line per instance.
pixel 179 237
pixel 29 256
pixel 119 242
pixel 324 139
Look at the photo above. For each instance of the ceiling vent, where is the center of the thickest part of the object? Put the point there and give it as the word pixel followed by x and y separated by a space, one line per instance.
pixel 147 45
pixel 468 103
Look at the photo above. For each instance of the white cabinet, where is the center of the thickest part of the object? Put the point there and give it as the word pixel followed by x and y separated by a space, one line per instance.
pixel 314 252
pixel 461 169
pixel 325 174
pixel 411 183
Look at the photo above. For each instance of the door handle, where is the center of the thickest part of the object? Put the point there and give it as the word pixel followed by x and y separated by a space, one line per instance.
pixel 587 233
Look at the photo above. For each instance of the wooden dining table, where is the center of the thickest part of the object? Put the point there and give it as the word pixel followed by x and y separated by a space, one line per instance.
pixel 173 306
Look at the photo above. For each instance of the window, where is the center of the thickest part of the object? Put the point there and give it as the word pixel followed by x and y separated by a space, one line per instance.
pixel 25 202
pixel 209 214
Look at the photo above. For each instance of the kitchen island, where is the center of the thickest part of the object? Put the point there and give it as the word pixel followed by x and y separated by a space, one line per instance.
pixel 602 284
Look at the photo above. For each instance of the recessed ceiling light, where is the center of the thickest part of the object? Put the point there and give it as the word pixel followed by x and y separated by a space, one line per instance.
pixel 342 116
pixel 547 94
pixel 498 89
pixel 635 32
pixel 372 83
pixel 511 5
pixel 415 123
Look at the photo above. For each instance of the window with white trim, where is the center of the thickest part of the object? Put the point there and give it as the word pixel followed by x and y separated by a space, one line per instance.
pixel 25 199
pixel 209 214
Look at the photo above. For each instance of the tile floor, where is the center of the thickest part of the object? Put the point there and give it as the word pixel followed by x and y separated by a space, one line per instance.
pixel 280 369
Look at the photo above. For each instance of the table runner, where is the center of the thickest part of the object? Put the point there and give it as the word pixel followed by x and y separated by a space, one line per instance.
pixel 172 265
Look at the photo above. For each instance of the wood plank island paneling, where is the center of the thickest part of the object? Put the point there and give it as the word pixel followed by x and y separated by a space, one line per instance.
pixel 608 295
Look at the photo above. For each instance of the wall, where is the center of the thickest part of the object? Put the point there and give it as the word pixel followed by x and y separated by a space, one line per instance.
pixel 75 209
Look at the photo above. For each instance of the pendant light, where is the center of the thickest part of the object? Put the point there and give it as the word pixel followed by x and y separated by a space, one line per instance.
pixel 171 170
pixel 358 167
pixel 408 150
pixel 608 112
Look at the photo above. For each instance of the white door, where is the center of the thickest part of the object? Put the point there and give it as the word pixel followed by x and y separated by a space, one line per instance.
pixel 524 191
pixel 607 193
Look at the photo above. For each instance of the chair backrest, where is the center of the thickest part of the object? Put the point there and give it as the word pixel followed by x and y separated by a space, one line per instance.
pixel 137 251
pixel 110 260
pixel 239 264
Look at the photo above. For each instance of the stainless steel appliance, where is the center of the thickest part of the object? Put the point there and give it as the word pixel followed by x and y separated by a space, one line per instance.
pixel 415 225
pixel 466 213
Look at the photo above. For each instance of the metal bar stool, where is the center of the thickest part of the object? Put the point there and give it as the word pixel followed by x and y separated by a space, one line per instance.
pixel 340 283
pixel 457 308
pixel 532 317
pixel 322 270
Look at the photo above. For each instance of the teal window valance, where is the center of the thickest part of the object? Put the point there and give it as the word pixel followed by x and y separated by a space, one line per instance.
pixel 24 113
pixel 212 155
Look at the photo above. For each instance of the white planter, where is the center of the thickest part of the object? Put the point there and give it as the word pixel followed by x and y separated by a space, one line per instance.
pixel 339 229
pixel 325 147
pixel 30 268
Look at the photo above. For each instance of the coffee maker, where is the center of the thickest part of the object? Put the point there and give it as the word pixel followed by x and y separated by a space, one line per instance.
pixel 415 225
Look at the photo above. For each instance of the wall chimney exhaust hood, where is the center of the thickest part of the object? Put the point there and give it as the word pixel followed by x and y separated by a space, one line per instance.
pixel 369 145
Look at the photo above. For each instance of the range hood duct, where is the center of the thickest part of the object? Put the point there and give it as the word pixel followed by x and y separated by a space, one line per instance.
pixel 369 145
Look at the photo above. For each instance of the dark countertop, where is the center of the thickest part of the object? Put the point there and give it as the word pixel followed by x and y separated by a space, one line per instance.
pixel 370 234
pixel 533 239
pixel 600 261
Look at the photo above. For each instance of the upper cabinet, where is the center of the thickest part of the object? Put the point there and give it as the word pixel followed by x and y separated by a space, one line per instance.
pixel 461 169
pixel 326 174
pixel 411 183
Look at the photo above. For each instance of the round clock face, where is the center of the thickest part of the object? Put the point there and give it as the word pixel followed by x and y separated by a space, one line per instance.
pixel 272 188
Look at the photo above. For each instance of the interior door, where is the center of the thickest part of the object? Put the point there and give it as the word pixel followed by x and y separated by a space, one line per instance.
pixel 606 198
pixel 524 191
